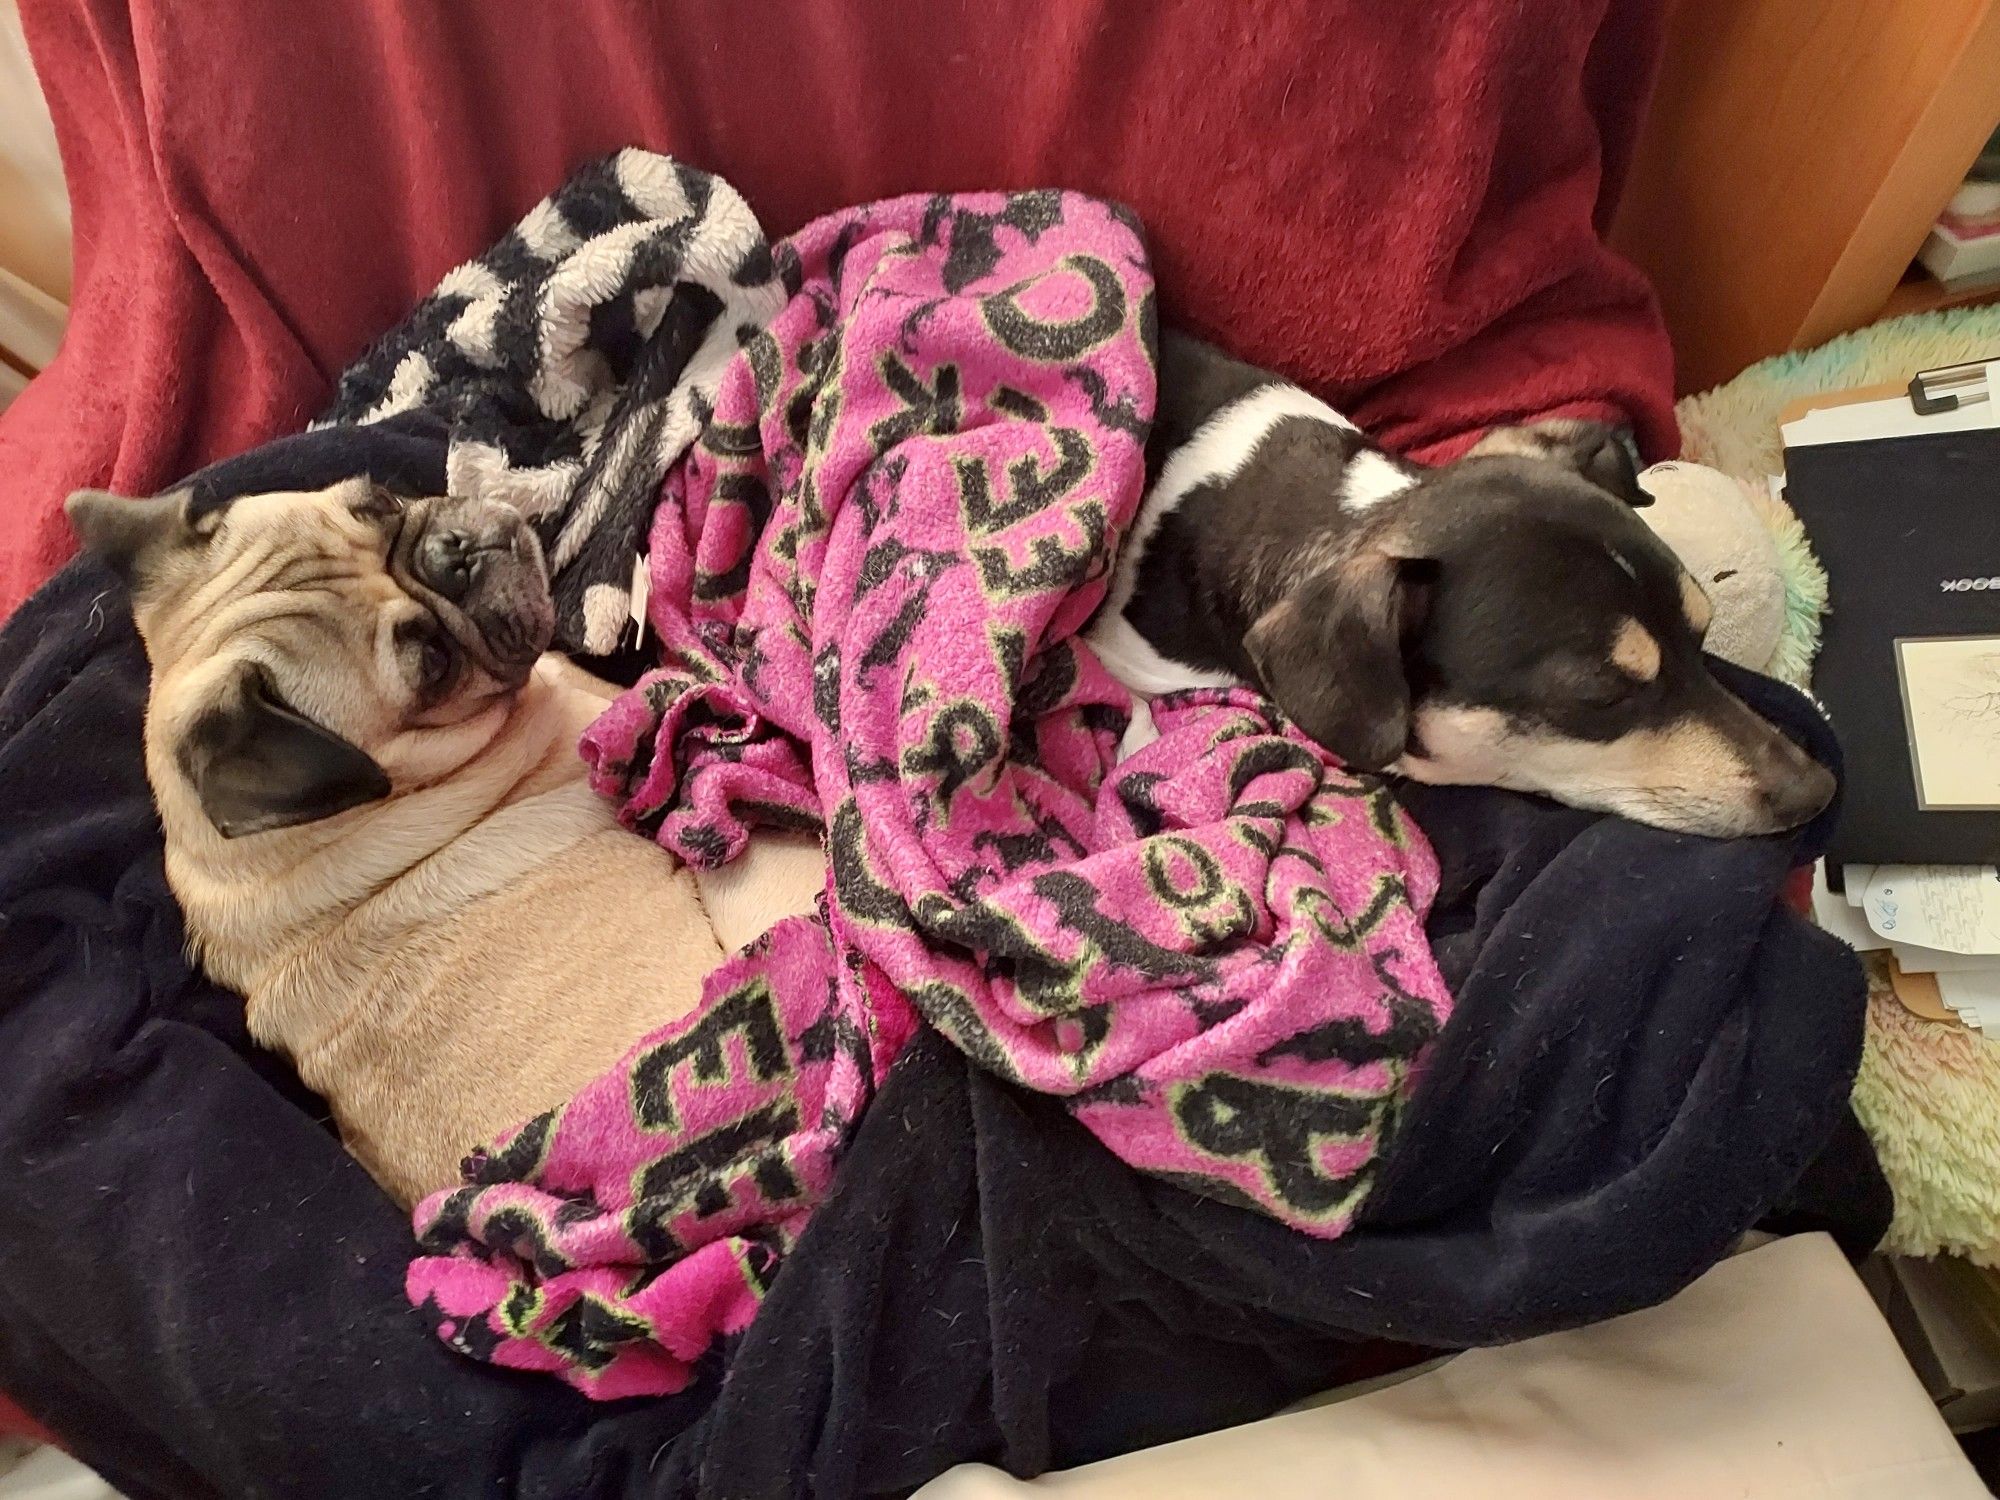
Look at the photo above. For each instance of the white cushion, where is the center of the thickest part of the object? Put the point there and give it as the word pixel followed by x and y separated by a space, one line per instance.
pixel 1772 1376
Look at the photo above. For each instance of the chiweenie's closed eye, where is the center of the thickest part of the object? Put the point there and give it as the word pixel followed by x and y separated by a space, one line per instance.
pixel 1505 620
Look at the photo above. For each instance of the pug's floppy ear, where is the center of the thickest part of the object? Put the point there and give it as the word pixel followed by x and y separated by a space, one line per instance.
pixel 1594 450
pixel 127 534
pixel 257 764
pixel 1331 653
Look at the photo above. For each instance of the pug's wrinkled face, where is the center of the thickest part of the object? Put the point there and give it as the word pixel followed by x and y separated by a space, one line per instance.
pixel 317 651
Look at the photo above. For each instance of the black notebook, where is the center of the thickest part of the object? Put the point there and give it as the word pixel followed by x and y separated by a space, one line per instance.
pixel 1908 529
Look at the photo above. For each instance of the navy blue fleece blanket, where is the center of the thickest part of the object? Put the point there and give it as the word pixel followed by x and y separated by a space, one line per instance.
pixel 203 1294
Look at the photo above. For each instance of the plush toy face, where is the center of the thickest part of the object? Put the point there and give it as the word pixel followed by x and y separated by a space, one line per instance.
pixel 1707 519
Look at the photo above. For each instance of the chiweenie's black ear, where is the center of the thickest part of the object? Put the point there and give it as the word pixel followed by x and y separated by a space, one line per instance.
pixel 1597 452
pixel 127 534
pixel 257 764
pixel 1332 653
pixel 1604 458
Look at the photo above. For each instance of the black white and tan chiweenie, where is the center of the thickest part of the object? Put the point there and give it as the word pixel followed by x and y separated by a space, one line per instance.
pixel 1506 620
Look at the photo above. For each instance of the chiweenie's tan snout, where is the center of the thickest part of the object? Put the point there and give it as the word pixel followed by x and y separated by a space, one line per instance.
pixel 1791 788
pixel 1723 771
pixel 1717 770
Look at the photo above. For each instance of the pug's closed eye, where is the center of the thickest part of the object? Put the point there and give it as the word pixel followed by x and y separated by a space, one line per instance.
pixel 378 504
pixel 434 658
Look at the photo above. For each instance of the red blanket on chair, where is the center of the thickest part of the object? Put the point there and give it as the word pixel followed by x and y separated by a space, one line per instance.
pixel 1395 204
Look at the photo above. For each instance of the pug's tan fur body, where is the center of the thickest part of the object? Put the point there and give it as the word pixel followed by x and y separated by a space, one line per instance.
pixel 445 961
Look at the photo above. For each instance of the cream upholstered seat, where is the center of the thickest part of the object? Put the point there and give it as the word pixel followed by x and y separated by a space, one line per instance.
pixel 1772 1376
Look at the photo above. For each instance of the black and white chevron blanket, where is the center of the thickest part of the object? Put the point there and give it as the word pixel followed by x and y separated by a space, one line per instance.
pixel 563 372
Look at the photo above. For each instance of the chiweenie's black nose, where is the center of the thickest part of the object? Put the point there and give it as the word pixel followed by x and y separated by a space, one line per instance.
pixel 1800 795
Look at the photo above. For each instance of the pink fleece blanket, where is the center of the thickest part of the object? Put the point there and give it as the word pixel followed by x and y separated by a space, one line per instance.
pixel 868 579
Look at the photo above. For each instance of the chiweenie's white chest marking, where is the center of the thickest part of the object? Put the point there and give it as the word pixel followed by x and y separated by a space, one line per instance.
pixel 1216 454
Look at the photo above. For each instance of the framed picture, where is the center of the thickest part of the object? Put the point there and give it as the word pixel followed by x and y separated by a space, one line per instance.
pixel 1951 711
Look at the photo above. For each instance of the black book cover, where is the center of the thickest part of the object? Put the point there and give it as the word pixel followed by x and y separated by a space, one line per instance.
pixel 1908 530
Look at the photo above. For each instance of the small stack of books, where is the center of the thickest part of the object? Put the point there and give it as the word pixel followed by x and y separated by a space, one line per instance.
pixel 1963 250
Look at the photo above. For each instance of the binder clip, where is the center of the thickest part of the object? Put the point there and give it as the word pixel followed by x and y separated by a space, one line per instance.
pixel 1949 387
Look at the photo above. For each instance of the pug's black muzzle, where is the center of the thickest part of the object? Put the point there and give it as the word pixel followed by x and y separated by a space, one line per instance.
pixel 480 568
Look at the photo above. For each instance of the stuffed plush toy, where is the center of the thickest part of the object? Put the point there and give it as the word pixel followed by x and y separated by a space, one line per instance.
pixel 1747 550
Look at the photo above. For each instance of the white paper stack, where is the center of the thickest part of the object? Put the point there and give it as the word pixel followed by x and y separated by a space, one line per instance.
pixel 1937 920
